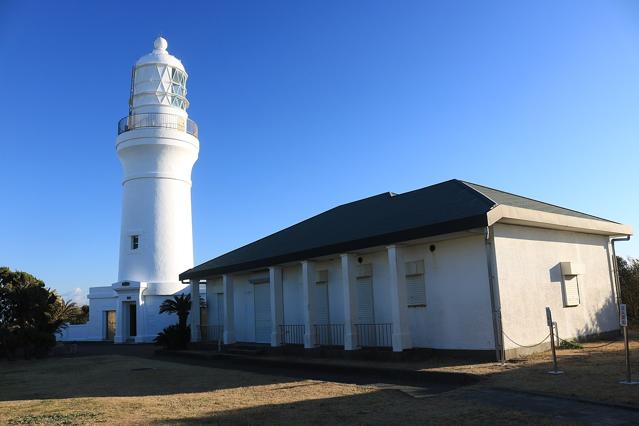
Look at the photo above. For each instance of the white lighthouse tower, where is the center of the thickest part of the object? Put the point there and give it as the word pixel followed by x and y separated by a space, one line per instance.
pixel 157 145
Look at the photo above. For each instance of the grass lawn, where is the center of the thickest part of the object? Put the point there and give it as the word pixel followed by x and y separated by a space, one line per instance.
pixel 130 390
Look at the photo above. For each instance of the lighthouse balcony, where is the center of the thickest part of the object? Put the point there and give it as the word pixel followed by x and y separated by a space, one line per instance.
pixel 168 121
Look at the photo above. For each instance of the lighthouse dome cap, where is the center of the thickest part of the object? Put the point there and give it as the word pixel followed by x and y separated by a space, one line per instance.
pixel 160 55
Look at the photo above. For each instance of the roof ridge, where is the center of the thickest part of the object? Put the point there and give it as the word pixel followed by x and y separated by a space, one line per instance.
pixel 533 199
pixel 466 186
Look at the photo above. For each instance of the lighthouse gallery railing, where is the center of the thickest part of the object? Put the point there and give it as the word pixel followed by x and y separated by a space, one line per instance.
pixel 156 119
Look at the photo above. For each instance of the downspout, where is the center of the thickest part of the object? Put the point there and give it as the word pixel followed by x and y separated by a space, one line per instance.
pixel 615 267
pixel 494 296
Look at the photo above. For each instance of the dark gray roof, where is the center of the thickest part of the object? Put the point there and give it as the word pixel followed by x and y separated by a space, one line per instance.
pixel 386 218
pixel 508 199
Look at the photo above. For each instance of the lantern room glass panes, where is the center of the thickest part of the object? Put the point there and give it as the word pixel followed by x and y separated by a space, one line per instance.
pixel 165 83
pixel 178 86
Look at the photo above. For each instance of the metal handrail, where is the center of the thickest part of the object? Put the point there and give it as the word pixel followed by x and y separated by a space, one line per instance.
pixel 329 334
pixel 157 119
pixel 292 334
pixel 211 333
pixel 374 335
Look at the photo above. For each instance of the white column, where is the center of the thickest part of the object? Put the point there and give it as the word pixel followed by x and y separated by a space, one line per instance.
pixel 195 311
pixel 350 301
pixel 277 304
pixel 398 299
pixel 308 296
pixel 120 336
pixel 229 311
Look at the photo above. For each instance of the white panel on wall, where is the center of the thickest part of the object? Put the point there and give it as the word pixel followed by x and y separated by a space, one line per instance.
pixel 322 276
pixel 415 268
pixel 571 290
pixel 364 270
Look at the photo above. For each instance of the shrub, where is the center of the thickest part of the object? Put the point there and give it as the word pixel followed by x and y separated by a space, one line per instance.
pixel 174 337
pixel 629 283
pixel 36 343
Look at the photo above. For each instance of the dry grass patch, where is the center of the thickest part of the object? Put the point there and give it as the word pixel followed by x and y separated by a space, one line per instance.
pixel 590 373
pixel 128 390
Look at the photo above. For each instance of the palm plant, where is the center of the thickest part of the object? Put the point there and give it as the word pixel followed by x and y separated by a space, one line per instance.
pixel 179 305
pixel 64 312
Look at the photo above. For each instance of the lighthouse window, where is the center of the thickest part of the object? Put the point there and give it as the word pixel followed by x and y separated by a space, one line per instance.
pixel 177 89
pixel 178 76
pixel 177 102
pixel 135 242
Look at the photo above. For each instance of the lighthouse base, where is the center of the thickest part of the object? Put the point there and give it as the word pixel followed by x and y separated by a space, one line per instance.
pixel 126 312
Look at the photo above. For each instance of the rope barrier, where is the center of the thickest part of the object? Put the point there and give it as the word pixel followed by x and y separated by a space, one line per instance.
pixel 525 346
pixel 589 347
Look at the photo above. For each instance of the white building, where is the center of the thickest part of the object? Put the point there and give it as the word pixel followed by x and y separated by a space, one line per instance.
pixel 157 145
pixel 454 266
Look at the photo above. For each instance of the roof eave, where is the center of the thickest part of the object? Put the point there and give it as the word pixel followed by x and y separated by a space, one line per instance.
pixel 463 224
pixel 527 217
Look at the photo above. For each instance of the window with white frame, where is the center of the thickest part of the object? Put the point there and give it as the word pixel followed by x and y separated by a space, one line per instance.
pixel 415 284
pixel 135 242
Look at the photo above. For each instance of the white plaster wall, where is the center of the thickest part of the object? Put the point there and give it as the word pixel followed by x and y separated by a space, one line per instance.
pixel 101 299
pixel 292 294
pixel 74 333
pixel 154 322
pixel 458 311
pixel 530 279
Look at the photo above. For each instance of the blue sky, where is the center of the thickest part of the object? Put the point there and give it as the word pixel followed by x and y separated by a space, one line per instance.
pixel 306 105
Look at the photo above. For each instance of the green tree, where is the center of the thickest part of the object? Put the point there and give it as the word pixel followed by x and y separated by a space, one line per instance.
pixel 30 314
pixel 179 305
pixel 83 316
pixel 629 283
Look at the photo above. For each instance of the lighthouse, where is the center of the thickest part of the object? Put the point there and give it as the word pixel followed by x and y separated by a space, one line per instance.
pixel 157 145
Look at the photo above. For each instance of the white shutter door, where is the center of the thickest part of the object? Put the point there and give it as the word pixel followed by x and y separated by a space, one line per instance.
pixel 262 313
pixel 220 308
pixel 365 312
pixel 571 290
pixel 321 308
pixel 416 290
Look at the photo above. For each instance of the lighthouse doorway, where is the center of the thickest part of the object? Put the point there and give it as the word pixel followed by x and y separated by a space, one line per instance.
pixel 133 326
pixel 110 325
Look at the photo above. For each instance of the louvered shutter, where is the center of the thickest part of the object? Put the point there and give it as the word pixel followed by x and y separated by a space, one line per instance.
pixel 321 297
pixel 365 311
pixel 416 290
pixel 571 290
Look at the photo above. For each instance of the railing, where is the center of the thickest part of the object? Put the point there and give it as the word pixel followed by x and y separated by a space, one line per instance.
pixel 374 335
pixel 211 333
pixel 329 334
pixel 156 119
pixel 292 334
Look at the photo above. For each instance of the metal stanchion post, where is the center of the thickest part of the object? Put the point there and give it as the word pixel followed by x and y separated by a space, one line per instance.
pixel 623 321
pixel 551 326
